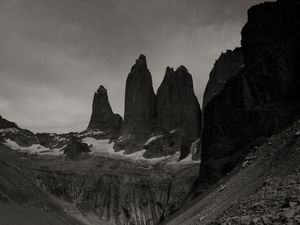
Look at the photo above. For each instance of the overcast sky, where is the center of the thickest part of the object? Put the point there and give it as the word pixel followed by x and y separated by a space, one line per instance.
pixel 54 54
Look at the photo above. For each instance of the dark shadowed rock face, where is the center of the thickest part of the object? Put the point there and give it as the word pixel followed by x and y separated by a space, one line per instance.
pixel 262 98
pixel 4 124
pixel 10 130
pixel 103 117
pixel 177 105
pixel 139 113
pixel 228 65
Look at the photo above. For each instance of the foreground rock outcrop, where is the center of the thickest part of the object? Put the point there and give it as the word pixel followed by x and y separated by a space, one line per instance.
pixel 263 97
pixel 140 100
pixel 177 105
pixel 102 117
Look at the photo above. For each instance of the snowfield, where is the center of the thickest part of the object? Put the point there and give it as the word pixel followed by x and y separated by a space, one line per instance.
pixel 101 147
pixel 34 149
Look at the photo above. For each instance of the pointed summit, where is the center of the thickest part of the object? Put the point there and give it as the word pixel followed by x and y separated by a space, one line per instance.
pixel 101 89
pixel 102 116
pixel 139 99
pixel 177 105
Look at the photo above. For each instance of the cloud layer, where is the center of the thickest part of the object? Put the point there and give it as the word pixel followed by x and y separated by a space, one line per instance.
pixel 54 54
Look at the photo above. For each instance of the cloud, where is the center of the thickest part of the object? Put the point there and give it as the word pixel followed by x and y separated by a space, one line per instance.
pixel 54 54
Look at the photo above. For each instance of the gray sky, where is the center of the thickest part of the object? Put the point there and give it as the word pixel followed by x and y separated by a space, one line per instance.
pixel 54 54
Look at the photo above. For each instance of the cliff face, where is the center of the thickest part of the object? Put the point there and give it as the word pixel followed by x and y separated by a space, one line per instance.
pixel 102 117
pixel 177 105
pixel 227 66
pixel 140 100
pixel 262 98
pixel 117 191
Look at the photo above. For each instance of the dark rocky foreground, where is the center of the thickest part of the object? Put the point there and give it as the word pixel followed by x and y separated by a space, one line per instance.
pixel 262 189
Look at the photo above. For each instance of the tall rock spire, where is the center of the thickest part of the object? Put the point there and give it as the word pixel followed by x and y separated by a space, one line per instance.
pixel 140 100
pixel 177 105
pixel 102 116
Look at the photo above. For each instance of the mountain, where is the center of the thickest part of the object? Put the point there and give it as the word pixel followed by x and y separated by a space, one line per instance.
pixel 177 104
pixel 102 117
pixel 140 100
pixel 226 66
pixel 263 97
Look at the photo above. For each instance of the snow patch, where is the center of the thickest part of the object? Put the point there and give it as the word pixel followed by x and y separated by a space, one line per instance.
pixel 34 149
pixel 151 139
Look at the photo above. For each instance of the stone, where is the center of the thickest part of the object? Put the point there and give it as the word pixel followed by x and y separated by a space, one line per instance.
pixel 140 100
pixel 102 117
pixel 177 104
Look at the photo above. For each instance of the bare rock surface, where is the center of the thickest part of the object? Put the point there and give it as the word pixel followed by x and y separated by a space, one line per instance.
pixel 102 117
pixel 263 97
pixel 227 66
pixel 140 100
pixel 177 105
pixel 262 189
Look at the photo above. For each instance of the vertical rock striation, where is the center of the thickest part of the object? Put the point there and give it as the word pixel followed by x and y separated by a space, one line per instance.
pixel 102 117
pixel 262 98
pixel 140 100
pixel 177 105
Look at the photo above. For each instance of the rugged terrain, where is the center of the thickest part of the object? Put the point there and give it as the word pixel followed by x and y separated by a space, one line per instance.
pixel 263 189
pixel 102 189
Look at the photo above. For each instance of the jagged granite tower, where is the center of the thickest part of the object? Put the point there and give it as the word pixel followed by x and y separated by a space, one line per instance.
pixel 102 117
pixel 177 104
pixel 140 100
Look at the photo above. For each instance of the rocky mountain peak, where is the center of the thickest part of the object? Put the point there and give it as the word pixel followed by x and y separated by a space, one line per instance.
pixel 262 98
pixel 139 99
pixel 102 117
pixel 101 89
pixel 177 105
pixel 4 124
pixel 182 70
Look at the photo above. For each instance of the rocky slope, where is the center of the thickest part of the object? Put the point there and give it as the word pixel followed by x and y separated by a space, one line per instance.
pixel 20 198
pixel 177 105
pixel 102 117
pixel 262 98
pixel 262 189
